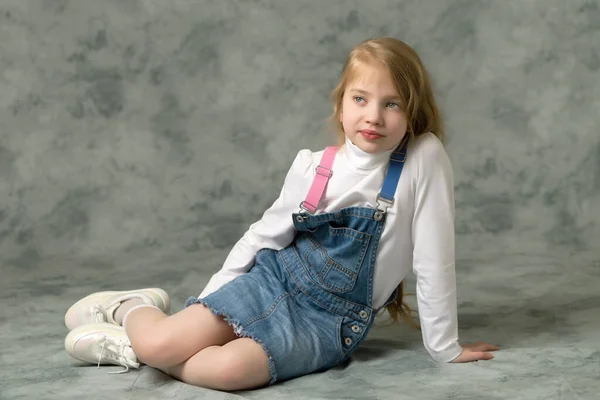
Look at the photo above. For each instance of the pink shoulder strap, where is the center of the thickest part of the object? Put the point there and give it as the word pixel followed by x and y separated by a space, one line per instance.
pixel 323 173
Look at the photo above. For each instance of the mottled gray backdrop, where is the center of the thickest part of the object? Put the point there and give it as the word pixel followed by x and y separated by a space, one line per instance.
pixel 140 138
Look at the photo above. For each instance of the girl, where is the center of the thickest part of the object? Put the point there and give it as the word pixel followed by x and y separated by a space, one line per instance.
pixel 300 290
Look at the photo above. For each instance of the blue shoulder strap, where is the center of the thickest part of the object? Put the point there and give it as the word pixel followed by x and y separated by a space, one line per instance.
pixel 392 176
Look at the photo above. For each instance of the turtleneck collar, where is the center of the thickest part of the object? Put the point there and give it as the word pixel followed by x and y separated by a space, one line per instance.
pixel 362 160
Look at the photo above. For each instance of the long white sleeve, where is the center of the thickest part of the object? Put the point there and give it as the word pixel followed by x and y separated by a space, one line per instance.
pixel 433 254
pixel 275 230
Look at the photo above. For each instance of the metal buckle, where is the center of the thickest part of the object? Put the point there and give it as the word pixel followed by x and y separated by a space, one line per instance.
pixel 306 209
pixel 380 212
pixel 381 199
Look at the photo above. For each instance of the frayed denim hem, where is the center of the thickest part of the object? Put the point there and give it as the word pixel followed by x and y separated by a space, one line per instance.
pixel 239 330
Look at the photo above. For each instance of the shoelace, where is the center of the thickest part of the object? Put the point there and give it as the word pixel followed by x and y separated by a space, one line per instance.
pixel 115 355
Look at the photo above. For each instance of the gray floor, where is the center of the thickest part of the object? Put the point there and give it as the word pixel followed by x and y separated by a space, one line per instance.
pixel 140 138
pixel 541 309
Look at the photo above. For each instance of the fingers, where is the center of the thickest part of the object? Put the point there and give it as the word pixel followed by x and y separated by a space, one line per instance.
pixel 470 356
pixel 481 346
pixel 479 355
pixel 475 352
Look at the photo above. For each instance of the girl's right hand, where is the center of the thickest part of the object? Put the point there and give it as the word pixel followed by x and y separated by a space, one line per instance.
pixel 475 352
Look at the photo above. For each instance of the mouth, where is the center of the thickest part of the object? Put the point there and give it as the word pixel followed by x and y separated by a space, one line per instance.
pixel 370 134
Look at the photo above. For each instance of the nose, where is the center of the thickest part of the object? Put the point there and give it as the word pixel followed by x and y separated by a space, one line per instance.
pixel 373 115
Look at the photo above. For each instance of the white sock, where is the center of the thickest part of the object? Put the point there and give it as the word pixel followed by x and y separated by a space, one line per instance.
pixel 124 308
pixel 135 308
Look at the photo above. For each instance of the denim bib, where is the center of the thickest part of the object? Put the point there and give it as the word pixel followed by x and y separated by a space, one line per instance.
pixel 309 305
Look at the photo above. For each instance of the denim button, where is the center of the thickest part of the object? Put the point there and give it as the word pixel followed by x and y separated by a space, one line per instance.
pixel 363 314
pixel 348 341
pixel 299 218
pixel 355 328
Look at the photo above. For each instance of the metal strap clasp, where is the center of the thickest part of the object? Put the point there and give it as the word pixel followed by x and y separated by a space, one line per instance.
pixel 382 210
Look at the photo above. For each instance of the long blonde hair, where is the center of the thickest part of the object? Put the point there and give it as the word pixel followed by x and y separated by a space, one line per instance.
pixel 422 113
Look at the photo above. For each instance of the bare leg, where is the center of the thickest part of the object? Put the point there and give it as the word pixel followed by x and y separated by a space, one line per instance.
pixel 162 341
pixel 238 365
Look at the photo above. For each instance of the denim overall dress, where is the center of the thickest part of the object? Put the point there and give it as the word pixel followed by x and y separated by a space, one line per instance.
pixel 309 304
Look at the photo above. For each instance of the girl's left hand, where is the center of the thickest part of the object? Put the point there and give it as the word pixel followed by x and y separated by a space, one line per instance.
pixel 475 352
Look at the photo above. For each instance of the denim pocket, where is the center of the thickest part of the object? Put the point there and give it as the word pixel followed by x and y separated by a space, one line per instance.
pixel 337 256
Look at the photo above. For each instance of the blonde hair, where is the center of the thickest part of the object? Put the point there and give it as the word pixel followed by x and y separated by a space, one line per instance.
pixel 414 87
pixel 409 76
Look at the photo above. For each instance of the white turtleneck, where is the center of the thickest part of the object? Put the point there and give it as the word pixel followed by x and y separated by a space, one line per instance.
pixel 418 233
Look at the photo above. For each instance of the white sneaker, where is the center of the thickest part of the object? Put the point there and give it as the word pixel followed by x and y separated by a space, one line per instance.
pixel 101 306
pixel 102 344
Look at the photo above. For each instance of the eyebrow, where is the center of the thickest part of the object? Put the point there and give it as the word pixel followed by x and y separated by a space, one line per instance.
pixel 393 97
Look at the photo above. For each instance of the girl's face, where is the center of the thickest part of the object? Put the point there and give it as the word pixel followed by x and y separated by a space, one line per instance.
pixel 371 114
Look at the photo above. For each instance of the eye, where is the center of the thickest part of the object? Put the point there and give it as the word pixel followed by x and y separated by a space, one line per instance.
pixel 358 99
pixel 392 105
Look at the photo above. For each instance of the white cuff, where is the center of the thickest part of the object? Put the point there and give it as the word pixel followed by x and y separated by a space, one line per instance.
pixel 448 355
pixel 135 308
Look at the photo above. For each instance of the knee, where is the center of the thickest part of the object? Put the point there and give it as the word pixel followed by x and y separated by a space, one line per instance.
pixel 233 373
pixel 153 349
